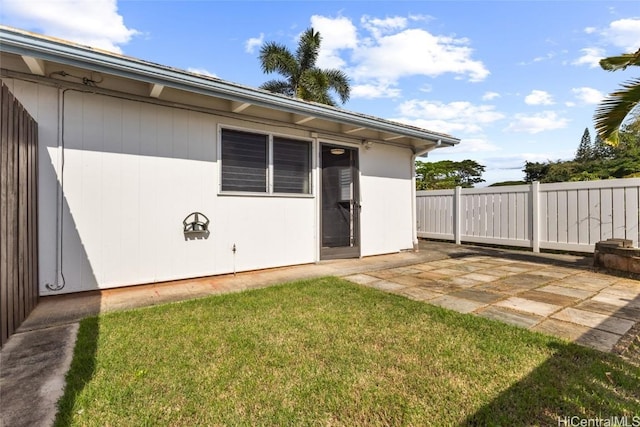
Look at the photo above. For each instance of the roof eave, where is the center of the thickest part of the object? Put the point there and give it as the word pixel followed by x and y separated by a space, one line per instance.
pixel 23 43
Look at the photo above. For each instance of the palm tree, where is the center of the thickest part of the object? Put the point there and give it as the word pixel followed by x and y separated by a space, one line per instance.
pixel 612 111
pixel 302 78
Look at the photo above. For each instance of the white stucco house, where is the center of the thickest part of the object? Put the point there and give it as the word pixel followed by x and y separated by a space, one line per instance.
pixel 148 173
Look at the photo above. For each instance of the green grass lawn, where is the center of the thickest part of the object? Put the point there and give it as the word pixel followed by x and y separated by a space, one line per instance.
pixel 328 352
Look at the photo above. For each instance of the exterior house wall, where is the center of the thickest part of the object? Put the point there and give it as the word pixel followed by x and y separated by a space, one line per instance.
pixel 131 171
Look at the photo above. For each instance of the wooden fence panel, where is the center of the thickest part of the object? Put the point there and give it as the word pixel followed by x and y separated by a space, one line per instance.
pixel 566 216
pixel 18 214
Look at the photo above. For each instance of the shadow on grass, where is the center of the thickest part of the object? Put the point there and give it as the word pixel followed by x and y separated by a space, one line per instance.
pixel 81 370
pixel 574 382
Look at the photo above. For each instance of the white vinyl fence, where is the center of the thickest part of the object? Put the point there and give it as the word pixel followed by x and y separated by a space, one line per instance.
pixel 564 216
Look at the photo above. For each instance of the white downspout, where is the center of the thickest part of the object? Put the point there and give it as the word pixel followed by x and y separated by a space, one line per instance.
pixel 414 213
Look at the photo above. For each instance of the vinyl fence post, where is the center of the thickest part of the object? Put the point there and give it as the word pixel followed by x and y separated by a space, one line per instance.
pixel 457 214
pixel 535 216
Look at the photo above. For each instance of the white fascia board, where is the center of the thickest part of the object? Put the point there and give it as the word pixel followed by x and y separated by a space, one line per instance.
pixel 26 44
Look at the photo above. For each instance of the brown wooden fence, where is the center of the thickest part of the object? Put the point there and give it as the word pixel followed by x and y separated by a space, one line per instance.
pixel 18 214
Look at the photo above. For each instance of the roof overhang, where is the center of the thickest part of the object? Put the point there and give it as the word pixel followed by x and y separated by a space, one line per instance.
pixel 43 56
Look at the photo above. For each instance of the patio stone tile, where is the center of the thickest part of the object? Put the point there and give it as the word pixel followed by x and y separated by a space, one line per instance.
pixel 443 263
pixel 485 278
pixel 384 274
pixel 600 340
pixel 553 273
pixel 569 292
pixel 512 317
pixel 477 295
pixel 548 297
pixel 497 272
pixel 529 306
pixel 445 272
pixel 629 313
pixel 467 267
pixel 418 293
pixel 361 279
pixel 460 305
pixel 587 281
pixel 463 282
pixel 627 284
pixel 625 292
pixel 618 300
pixel 518 268
pixel 405 270
pixel 430 275
pixel 408 280
pixel 441 286
pixel 594 320
pixel 426 266
pixel 504 288
pixel 527 279
pixel 568 331
pixel 385 285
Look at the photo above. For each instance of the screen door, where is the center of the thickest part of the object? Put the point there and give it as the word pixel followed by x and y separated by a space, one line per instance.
pixel 340 220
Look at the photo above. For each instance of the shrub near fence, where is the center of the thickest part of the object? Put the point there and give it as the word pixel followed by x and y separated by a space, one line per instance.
pixel 571 216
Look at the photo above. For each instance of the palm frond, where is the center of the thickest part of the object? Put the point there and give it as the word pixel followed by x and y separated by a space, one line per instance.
pixel 339 82
pixel 612 111
pixel 276 57
pixel 278 86
pixel 308 49
pixel 621 62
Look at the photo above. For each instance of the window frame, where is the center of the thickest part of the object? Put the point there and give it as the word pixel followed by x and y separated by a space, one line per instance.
pixel 269 169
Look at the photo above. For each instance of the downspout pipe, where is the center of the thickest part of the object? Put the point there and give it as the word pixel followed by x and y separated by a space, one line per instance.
pixel 414 213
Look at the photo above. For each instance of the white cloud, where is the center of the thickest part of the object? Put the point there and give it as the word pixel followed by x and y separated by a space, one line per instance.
pixel 391 51
pixel 588 95
pixel 371 91
pixel 488 96
pixel 417 52
pixel 625 34
pixel 591 56
pixel 536 123
pixel 95 23
pixel 454 117
pixel 590 30
pixel 251 44
pixel 539 97
pixel 201 71
pixel 337 34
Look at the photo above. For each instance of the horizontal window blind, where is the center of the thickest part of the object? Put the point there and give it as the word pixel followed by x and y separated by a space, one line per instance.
pixel 244 161
pixel 291 166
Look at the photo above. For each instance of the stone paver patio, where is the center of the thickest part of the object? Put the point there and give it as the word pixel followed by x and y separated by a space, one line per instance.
pixel 590 308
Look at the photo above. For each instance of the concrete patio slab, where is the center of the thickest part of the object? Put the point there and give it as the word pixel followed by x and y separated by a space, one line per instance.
pixel 361 279
pixel 480 277
pixel 478 296
pixel 385 285
pixel 629 313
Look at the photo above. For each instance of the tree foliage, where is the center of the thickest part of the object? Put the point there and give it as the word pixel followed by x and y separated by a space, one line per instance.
pixel 615 109
pixel 302 78
pixel 448 174
pixel 603 162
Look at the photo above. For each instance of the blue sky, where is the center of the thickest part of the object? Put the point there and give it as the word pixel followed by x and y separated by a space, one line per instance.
pixel 515 80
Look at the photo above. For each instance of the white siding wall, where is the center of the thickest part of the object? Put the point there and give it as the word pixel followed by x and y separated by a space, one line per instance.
pixel 385 183
pixel 133 171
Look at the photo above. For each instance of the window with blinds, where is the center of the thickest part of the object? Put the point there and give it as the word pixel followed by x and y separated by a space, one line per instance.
pixel 244 161
pixel 291 166
pixel 246 157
